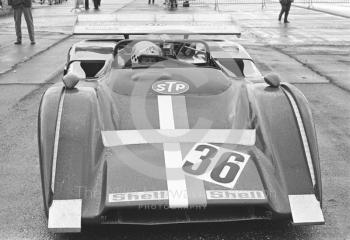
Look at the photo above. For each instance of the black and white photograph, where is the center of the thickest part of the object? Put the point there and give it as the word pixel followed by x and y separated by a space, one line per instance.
pixel 175 119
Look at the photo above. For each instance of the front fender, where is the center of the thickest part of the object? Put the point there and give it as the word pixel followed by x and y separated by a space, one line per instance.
pixel 79 145
pixel 47 118
pixel 306 115
pixel 279 137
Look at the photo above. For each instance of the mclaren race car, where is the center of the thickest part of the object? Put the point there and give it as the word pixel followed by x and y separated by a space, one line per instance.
pixel 162 130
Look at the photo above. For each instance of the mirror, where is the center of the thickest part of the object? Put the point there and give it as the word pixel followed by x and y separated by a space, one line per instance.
pixel 273 80
pixel 74 74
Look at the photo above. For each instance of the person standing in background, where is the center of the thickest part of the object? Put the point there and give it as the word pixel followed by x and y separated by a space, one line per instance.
pixel 285 7
pixel 19 7
pixel 97 3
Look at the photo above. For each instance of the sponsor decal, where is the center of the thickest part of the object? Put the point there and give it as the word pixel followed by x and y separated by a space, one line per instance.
pixel 214 164
pixel 138 196
pixel 170 87
pixel 232 195
pixel 164 195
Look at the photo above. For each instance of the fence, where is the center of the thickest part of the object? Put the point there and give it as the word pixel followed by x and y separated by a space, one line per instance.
pixel 5 8
pixel 322 1
pixel 217 3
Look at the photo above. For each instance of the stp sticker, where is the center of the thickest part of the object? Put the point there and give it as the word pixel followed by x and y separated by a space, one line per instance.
pixel 214 164
pixel 170 87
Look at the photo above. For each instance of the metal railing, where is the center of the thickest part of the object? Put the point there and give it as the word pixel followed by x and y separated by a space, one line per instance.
pixel 263 3
pixel 322 1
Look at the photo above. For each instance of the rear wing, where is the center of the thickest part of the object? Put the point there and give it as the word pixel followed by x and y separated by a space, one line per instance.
pixel 143 24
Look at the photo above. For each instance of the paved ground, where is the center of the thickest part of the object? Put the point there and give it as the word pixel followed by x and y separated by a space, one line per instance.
pixel 313 52
pixel 335 9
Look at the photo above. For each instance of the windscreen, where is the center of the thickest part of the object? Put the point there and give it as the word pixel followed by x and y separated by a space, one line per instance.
pixel 240 67
pixel 152 53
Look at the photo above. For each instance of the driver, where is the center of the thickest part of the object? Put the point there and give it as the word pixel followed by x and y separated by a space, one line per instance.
pixel 192 53
pixel 144 48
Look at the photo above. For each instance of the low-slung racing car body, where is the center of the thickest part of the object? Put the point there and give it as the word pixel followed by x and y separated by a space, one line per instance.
pixel 191 135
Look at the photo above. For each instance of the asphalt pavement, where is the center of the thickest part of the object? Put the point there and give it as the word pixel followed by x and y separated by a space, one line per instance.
pixel 342 10
pixel 312 52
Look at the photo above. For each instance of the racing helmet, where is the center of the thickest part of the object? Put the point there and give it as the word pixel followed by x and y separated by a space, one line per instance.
pixel 144 48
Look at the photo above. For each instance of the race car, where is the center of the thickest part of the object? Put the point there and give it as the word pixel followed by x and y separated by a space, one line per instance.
pixel 164 131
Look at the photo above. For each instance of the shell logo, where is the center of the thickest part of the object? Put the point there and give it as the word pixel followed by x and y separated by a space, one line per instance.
pixel 170 87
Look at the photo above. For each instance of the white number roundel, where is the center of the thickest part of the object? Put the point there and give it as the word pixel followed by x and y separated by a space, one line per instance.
pixel 170 87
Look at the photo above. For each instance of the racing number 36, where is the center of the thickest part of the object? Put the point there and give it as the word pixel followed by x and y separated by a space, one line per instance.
pixel 214 164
